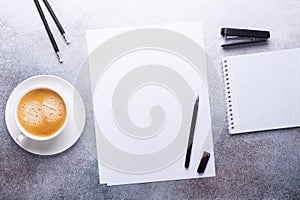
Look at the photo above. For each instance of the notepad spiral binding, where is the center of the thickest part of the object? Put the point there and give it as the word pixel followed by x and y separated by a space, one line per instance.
pixel 229 110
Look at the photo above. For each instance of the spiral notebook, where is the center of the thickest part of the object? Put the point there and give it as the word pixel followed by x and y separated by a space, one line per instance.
pixel 262 91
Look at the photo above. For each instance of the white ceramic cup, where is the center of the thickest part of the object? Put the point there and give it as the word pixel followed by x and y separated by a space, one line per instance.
pixel 25 134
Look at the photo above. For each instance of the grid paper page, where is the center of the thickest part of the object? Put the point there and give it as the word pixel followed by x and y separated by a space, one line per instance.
pixel 264 90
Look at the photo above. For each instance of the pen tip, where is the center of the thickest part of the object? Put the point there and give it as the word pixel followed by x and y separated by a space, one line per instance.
pixel 59 57
pixel 197 99
pixel 66 39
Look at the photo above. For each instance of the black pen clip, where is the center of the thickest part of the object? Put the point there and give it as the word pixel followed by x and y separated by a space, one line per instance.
pixel 243 36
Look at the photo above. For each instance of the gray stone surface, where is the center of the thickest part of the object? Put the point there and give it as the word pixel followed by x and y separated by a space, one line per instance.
pixel 249 166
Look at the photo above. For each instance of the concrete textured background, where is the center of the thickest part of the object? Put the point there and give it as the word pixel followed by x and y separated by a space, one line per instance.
pixel 248 166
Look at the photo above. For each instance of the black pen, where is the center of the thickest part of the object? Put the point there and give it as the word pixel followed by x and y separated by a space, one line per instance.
pixel 192 132
pixel 38 6
pixel 59 26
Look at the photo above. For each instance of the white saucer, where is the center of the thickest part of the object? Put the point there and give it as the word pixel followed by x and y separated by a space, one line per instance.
pixel 74 126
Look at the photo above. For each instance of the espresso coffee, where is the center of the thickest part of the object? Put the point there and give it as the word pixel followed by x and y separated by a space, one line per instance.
pixel 41 112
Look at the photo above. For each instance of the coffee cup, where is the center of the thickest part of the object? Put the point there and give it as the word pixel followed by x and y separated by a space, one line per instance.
pixel 41 114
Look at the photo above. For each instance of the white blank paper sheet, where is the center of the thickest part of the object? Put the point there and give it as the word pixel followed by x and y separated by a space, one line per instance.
pixel 149 77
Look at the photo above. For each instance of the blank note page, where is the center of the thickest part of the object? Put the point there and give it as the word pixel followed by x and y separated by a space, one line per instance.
pixel 263 90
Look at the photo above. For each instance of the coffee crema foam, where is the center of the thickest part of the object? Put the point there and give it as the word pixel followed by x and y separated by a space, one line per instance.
pixel 41 112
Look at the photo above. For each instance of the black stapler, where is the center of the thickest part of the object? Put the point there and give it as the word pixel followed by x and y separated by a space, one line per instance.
pixel 243 36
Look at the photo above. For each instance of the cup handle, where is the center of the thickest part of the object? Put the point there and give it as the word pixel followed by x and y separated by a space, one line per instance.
pixel 21 138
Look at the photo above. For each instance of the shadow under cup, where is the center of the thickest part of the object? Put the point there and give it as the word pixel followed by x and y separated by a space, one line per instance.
pixel 45 110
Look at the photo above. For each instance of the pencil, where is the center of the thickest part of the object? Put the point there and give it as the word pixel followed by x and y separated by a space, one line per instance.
pixel 55 47
pixel 192 132
pixel 59 26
